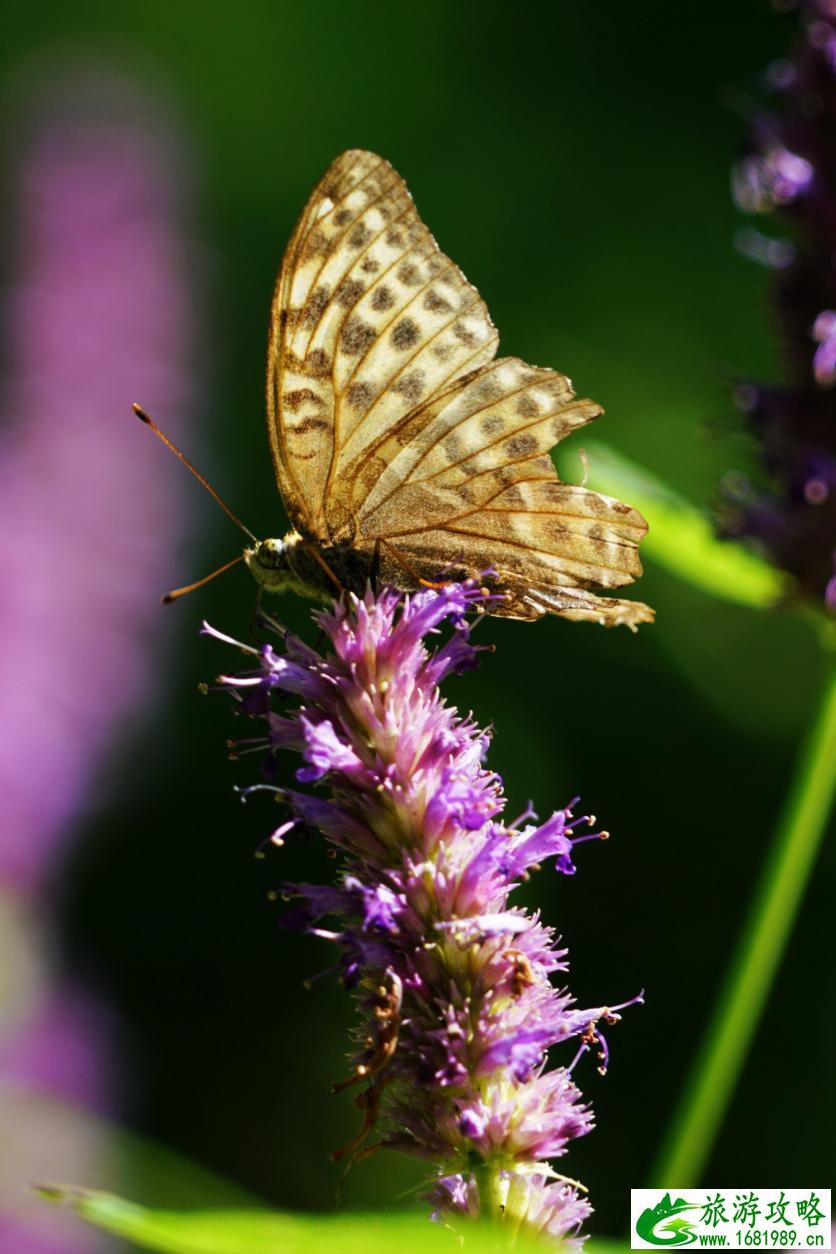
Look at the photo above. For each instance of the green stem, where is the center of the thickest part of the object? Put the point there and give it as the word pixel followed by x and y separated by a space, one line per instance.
pixel 759 953
pixel 488 1184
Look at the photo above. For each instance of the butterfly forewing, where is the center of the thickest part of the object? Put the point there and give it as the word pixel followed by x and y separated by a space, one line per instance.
pixel 370 319
pixel 300 402
pixel 392 425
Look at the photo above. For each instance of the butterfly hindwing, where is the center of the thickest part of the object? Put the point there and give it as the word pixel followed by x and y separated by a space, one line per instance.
pixel 467 481
pixel 458 450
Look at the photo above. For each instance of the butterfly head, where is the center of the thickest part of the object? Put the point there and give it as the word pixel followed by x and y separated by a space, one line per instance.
pixel 281 566
pixel 268 561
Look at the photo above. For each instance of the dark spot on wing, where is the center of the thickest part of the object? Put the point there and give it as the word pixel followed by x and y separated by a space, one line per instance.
pixel 526 406
pixel 405 334
pixel 301 396
pixel 436 303
pixel 463 335
pixel 521 445
pixel 310 424
pixel 359 236
pixel 315 306
pixel 452 446
pixel 410 386
pixel 317 363
pixel 487 390
pixel 492 424
pixel 382 298
pixel 360 395
pixel 356 337
pixel 349 292
pixel 513 495
pixel 408 274
pixel 557 387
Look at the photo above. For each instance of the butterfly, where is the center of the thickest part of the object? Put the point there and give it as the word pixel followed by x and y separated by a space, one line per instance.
pixel 405 450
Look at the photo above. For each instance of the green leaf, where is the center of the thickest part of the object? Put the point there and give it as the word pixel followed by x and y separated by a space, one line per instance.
pixel 681 538
pixel 273 1232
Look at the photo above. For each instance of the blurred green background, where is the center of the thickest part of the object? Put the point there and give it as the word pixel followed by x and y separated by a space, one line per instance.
pixel 574 160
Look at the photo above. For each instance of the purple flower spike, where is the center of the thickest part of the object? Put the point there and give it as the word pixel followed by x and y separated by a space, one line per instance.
pixel 453 982
pixel 99 307
pixel 788 170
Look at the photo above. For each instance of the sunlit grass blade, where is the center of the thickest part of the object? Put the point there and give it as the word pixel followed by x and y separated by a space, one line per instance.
pixel 274 1232
pixel 755 965
pixel 681 537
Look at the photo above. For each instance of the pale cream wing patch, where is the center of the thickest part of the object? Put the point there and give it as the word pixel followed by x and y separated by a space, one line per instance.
pixel 370 319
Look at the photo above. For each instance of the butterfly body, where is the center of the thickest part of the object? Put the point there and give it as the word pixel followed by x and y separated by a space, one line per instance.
pixel 320 571
pixel 404 450
pixel 311 569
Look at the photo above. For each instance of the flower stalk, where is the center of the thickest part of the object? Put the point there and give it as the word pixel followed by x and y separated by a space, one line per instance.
pixel 788 170
pixel 752 971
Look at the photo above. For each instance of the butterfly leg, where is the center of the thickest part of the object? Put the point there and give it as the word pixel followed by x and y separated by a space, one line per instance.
pixel 260 618
pixel 317 556
pixel 410 570
pixel 374 576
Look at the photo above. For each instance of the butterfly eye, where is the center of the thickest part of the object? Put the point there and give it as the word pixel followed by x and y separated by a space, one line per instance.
pixel 270 554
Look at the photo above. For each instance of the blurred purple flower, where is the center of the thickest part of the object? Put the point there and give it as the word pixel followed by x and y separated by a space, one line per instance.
pixel 98 316
pixel 789 169
pixel 98 313
pixel 453 982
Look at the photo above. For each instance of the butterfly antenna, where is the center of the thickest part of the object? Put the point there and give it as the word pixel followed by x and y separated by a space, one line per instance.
pixel 190 587
pixel 149 422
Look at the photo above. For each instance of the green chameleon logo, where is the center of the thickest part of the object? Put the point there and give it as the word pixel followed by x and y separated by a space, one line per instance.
pixel 679 1227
